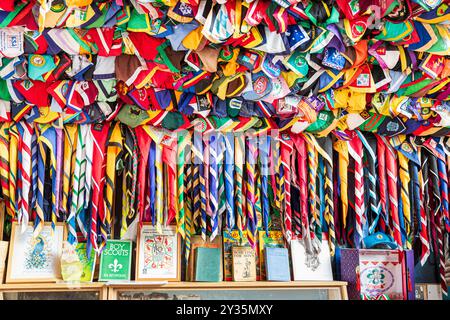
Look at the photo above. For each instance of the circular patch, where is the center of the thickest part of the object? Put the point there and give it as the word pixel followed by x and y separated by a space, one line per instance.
pixel 201 125
pixel 226 54
pixel 58 7
pixel 260 85
pixel 64 88
pixel 285 136
pixel 37 60
pixel 376 280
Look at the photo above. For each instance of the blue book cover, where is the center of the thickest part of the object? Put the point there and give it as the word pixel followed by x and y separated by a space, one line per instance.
pixel 207 264
pixel 277 264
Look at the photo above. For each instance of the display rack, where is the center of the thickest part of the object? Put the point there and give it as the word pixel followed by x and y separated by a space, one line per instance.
pixel 295 290
pixel 57 291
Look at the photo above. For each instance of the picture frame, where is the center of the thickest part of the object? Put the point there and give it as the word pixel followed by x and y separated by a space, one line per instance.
pixel 35 260
pixel 115 261
pixel 155 251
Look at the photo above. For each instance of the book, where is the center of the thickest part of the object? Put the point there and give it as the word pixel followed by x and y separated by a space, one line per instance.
pixel 244 263
pixel 274 240
pixel 196 242
pixel 277 264
pixel 316 269
pixel 231 239
pixel 88 263
pixel 207 264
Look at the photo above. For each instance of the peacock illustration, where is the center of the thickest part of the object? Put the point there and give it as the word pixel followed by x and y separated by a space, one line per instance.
pixel 38 257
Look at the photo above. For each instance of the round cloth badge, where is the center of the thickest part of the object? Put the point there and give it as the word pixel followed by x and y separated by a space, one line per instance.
pixel 58 7
pixel 260 85
pixel 37 60
pixel 201 125
pixel 406 147
pixel 285 137
pixel 226 54
pixel 65 89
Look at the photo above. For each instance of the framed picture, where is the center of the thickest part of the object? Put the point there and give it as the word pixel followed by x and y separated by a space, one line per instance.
pixel 115 261
pixel 158 254
pixel 35 259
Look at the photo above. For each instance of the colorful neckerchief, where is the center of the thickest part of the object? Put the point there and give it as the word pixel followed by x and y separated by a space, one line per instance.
pixel 320 203
pixel 250 169
pixel 77 185
pixel 169 157
pixel 48 137
pixel 183 140
pixel 313 165
pixel 213 183
pixel 392 174
pixel 343 161
pixel 13 159
pixel 405 178
pixel 26 133
pixel 152 181
pixel 221 210
pixel 325 148
pixel 370 145
pixel 187 197
pixel 300 145
pixel 355 150
pixel 382 180
pixel 4 165
pixel 424 206
pixel 436 219
pixel 197 176
pixel 131 160
pixel 239 160
pixel 70 147
pixel 114 147
pixel 40 215
pixel 59 168
pixel 229 180
pixel 34 173
pixel 144 149
pixel 100 135
pixel 264 145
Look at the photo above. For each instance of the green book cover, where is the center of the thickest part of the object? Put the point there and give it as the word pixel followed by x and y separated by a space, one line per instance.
pixel 207 264
pixel 115 261
pixel 88 264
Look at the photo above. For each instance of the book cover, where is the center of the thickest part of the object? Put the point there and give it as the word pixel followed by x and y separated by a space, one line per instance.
pixel 277 264
pixel 207 264
pixel 244 263
pixel 273 240
pixel 88 263
pixel 196 242
pixel 311 269
pixel 230 239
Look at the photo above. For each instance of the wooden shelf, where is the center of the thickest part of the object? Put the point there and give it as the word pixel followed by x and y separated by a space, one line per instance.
pixel 56 287
pixel 230 284
pixel 109 290
pixel 336 289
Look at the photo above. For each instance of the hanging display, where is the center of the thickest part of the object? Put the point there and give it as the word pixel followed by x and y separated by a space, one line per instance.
pixel 251 124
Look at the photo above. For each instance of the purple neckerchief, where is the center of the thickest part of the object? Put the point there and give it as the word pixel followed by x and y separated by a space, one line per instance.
pixel 413 57
pixel 337 41
pixel 59 165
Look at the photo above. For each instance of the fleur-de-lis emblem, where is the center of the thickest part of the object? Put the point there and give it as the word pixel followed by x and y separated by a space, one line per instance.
pixel 116 266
